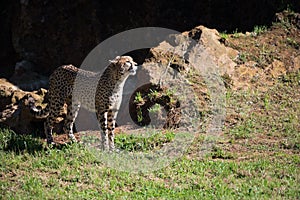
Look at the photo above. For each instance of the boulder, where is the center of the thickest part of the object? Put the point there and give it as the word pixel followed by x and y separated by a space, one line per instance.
pixel 168 65
pixel 15 109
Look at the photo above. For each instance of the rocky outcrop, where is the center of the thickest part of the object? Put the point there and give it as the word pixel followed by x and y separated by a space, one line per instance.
pixel 15 108
pixel 170 67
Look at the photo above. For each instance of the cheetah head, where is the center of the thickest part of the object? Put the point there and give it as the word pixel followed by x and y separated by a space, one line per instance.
pixel 125 65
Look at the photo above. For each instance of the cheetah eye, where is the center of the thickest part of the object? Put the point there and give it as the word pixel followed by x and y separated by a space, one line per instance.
pixel 129 63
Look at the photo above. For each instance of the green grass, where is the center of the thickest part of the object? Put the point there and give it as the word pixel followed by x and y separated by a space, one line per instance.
pixel 258 158
pixel 138 143
pixel 292 42
pixel 236 33
pixel 74 172
pixel 224 35
pixel 259 30
pixel 10 141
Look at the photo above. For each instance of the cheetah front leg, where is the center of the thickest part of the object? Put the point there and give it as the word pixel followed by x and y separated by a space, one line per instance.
pixel 111 123
pixel 102 117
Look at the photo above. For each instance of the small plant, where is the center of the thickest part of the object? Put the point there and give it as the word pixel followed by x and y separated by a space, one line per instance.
pixel 264 57
pixel 217 152
pixel 291 78
pixel 293 43
pixel 242 58
pixel 243 131
pixel 259 30
pixel 173 101
pixel 138 98
pixel 284 21
pixel 155 108
pixel 267 102
pixel 154 94
pixel 229 94
pixel 5 137
pixel 139 114
pixel 170 92
pixel 236 34
pixel 224 35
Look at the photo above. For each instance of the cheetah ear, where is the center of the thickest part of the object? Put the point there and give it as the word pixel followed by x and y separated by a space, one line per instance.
pixel 114 61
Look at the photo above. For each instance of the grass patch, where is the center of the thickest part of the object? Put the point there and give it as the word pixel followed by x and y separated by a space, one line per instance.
pixel 80 175
pixel 258 158
pixel 259 30
pixel 139 143
pixel 243 131
pixel 224 35
pixel 10 141
pixel 293 43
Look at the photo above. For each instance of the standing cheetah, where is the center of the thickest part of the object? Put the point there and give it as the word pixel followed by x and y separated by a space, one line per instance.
pixel 108 97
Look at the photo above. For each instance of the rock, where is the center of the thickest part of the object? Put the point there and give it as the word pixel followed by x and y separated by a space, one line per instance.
pixel 296 63
pixel 168 65
pixel 210 40
pixel 6 93
pixel 275 69
pixel 15 109
pixel 245 74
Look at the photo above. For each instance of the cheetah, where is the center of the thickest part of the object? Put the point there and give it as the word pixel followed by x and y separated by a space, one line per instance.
pixel 106 102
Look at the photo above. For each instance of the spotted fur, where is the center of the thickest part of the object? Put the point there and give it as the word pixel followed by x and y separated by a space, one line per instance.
pixel 107 93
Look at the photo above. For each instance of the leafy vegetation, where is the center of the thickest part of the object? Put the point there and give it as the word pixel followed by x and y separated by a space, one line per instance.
pixel 138 98
pixel 10 141
pixel 259 30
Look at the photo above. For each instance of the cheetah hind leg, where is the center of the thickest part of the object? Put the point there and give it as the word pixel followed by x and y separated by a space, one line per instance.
pixel 50 121
pixel 72 112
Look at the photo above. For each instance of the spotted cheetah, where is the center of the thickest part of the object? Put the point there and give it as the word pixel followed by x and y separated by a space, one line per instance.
pixel 106 102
